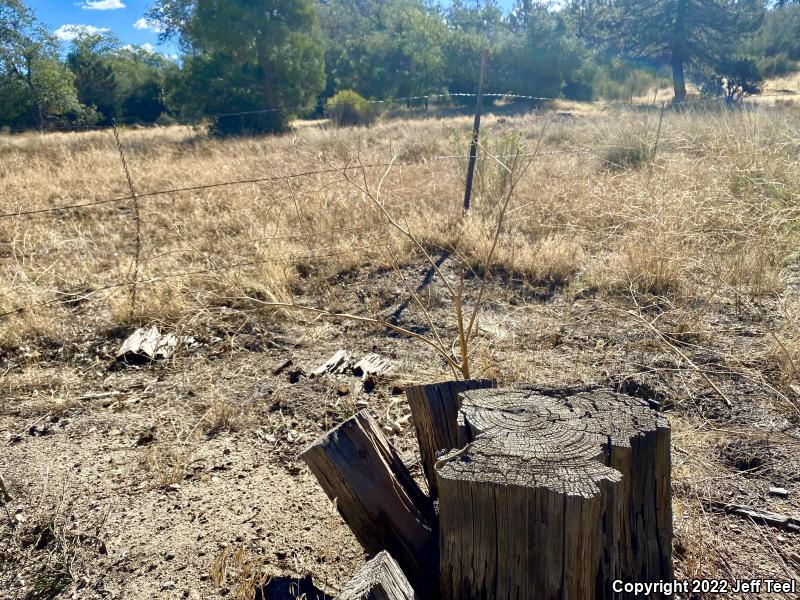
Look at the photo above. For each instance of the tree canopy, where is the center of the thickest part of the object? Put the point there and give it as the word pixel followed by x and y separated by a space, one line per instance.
pixel 275 60
pixel 255 54
pixel 678 33
pixel 35 83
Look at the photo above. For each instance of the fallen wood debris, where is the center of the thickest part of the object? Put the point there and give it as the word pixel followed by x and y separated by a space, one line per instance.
pixel 779 492
pixel 379 579
pixel 371 364
pixel 338 363
pixel 5 496
pixel 282 367
pixel 760 516
pixel 341 363
pixel 147 345
pixel 377 496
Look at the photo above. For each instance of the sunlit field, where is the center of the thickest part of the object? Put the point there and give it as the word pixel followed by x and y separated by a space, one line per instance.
pixel 651 251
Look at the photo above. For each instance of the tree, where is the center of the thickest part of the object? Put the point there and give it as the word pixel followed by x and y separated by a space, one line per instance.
pixel 89 59
pixel 471 28
pixel 737 76
pixel 397 51
pixel 34 83
pixel 678 33
pixel 269 52
pixel 544 55
pixel 141 77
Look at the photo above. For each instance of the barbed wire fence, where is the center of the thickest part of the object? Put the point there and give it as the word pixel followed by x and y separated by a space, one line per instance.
pixel 137 221
pixel 408 101
pixel 134 281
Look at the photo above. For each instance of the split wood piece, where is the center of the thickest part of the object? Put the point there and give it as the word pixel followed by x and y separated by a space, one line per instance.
pixel 282 367
pixel 760 516
pixel 377 497
pixel 379 579
pixel 554 496
pixel 371 364
pixel 434 408
pixel 5 496
pixel 338 363
pixel 145 345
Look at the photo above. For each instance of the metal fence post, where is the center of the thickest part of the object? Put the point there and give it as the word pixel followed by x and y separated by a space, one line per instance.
pixel 476 131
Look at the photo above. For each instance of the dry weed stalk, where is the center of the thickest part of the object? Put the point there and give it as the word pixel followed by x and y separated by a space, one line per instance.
pixel 247 574
pixel 460 366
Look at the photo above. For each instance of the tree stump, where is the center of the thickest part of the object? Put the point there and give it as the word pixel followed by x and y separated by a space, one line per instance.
pixel 379 579
pixel 377 497
pixel 435 411
pixel 554 496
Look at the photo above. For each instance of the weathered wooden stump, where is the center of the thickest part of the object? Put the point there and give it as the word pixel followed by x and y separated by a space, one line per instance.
pixel 377 497
pixel 554 497
pixel 435 411
pixel 550 494
pixel 379 579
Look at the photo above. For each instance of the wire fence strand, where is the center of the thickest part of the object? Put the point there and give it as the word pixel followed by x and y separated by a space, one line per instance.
pixel 137 221
pixel 134 280
pixel 288 176
pixel 310 107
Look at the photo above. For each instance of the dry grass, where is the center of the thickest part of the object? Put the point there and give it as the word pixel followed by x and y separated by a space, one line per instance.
pixel 699 241
pixel 692 216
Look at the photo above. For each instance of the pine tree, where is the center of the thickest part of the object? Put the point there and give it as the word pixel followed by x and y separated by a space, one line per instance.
pixel 269 49
pixel 678 33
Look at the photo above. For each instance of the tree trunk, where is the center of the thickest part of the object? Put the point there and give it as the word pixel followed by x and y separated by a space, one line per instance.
pixel 435 411
pixel 37 108
pixel 679 42
pixel 377 497
pixel 678 79
pixel 379 579
pixel 554 496
pixel 267 85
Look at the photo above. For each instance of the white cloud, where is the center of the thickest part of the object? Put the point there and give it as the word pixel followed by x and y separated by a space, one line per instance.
pixel 102 5
pixel 147 48
pixel 144 24
pixel 67 33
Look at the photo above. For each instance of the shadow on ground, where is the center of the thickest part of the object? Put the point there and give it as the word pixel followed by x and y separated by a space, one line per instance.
pixel 284 588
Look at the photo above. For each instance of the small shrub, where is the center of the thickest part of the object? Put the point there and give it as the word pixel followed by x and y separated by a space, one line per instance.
pixel 165 120
pixel 350 108
pixel 249 124
pixel 774 66
pixel 631 153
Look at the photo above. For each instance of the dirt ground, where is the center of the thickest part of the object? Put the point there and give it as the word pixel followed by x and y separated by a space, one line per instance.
pixel 122 483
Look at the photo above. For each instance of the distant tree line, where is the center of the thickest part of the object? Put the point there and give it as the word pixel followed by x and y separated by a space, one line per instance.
pixel 255 55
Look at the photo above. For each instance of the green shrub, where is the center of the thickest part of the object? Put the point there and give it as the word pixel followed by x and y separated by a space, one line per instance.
pixel 350 108
pixel 630 154
pixel 166 119
pixel 774 66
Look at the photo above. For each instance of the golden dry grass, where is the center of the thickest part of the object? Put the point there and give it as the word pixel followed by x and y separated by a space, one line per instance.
pixel 707 227
pixel 712 216
pixel 716 205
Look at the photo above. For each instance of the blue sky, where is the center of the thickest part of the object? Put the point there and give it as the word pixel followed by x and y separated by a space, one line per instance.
pixel 125 18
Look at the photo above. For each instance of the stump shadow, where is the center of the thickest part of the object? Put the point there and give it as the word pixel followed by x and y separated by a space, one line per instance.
pixel 291 588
